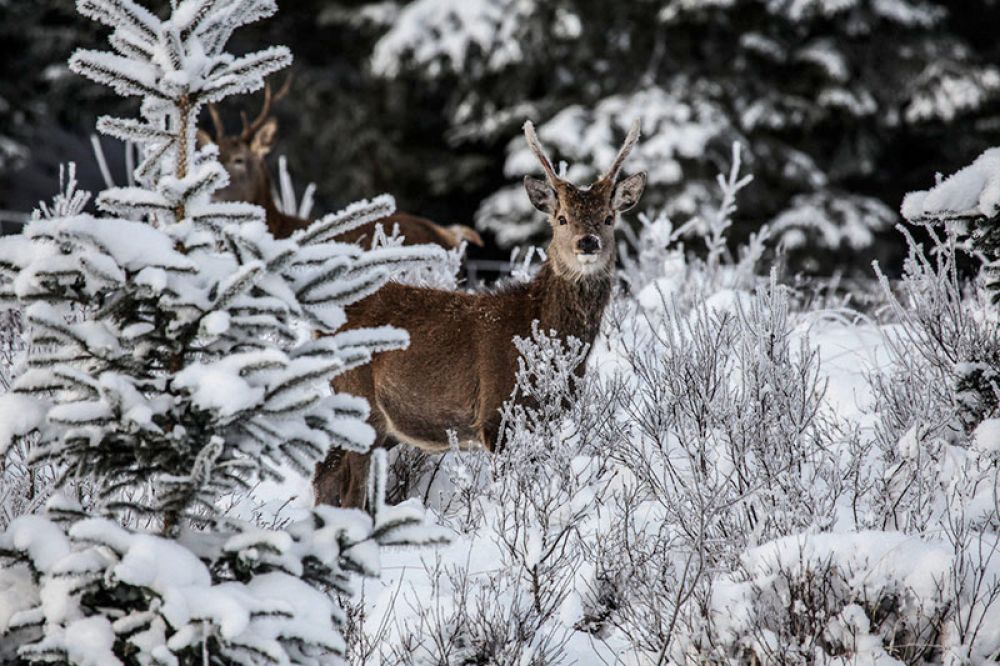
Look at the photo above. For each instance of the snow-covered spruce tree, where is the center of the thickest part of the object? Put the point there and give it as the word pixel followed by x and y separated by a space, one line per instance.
pixel 166 370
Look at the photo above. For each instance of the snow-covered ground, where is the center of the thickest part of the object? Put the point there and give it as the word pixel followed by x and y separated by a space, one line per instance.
pixel 881 575
pixel 744 473
pixel 408 587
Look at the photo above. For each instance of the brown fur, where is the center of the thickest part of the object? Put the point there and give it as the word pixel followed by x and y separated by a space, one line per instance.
pixel 460 365
pixel 415 231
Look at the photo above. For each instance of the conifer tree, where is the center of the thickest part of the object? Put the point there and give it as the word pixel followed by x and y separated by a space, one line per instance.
pixel 830 98
pixel 166 370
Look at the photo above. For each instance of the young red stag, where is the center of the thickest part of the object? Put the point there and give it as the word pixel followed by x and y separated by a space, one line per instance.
pixel 243 156
pixel 460 365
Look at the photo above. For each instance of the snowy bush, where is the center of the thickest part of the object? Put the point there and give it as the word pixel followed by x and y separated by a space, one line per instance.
pixel 968 204
pixel 733 480
pixel 166 370
pixel 618 496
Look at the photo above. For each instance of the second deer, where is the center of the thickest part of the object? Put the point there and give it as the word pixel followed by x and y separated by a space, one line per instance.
pixel 244 157
pixel 461 363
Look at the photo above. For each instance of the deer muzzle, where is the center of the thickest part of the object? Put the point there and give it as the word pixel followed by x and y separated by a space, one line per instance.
pixel 589 244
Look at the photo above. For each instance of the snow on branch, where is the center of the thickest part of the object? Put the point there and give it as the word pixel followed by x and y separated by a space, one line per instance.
pixel 971 192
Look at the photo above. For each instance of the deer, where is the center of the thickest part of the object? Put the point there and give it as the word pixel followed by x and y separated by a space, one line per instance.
pixel 461 362
pixel 244 156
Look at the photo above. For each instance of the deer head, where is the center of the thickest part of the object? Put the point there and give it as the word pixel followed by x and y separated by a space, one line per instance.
pixel 583 218
pixel 243 155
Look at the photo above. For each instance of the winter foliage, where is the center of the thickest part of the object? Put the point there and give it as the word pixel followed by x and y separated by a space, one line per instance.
pixel 166 369
pixel 747 473
pixel 479 25
pixel 968 204
pixel 752 469
pixel 843 105
pixel 828 104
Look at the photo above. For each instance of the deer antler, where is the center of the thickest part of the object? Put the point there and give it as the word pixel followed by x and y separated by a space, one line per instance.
pixel 630 141
pixel 220 128
pixel 536 148
pixel 249 129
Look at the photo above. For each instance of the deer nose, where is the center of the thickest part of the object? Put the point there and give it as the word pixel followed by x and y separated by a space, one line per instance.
pixel 589 244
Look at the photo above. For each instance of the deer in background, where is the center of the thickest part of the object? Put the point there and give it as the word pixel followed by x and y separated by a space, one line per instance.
pixel 244 157
pixel 461 363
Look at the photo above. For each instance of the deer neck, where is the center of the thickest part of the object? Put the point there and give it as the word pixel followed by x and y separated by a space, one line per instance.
pixel 280 224
pixel 572 306
pixel 263 196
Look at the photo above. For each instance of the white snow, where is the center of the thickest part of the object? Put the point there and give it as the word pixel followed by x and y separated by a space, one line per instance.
pixel 216 323
pixel 132 245
pixel 219 386
pixel 90 642
pixel 159 564
pixel 438 34
pixel 971 191
pixel 19 415
pixel 43 541
pixel 987 437
pixel 17 593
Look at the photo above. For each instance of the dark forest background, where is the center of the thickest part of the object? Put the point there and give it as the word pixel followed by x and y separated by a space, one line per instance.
pixel 842 105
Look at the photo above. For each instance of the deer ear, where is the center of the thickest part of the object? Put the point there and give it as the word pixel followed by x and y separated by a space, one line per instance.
pixel 263 140
pixel 628 191
pixel 541 194
pixel 203 138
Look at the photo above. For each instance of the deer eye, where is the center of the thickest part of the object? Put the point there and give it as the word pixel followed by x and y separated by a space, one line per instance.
pixel 562 220
pixel 609 220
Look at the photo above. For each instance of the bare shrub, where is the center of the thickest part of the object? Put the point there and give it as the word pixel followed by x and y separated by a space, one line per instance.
pixel 486 618
pixel 942 383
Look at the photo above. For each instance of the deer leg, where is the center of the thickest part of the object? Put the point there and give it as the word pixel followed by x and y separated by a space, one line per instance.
pixel 354 483
pixel 342 478
pixel 489 433
pixel 354 492
pixel 327 477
